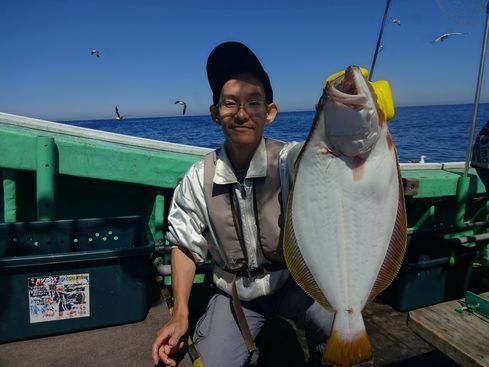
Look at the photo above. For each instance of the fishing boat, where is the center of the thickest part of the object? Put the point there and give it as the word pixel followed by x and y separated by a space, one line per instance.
pixel 67 188
pixel 83 257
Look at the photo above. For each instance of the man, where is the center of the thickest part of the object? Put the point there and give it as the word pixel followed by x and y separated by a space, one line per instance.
pixel 231 205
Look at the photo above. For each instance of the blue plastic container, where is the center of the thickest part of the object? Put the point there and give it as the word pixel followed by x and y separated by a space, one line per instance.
pixel 70 275
pixel 432 272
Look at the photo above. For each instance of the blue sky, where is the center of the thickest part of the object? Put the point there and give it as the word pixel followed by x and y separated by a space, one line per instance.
pixel 154 52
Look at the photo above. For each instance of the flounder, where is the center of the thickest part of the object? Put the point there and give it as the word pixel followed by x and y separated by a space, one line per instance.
pixel 345 230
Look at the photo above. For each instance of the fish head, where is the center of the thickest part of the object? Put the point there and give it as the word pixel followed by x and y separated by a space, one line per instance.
pixel 351 115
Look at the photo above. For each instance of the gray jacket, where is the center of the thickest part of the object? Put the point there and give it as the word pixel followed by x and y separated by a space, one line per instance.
pixel 188 219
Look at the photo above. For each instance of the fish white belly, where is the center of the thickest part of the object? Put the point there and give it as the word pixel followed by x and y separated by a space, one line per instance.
pixel 343 223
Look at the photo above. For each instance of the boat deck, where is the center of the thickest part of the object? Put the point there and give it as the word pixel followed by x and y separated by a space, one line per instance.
pixel 394 344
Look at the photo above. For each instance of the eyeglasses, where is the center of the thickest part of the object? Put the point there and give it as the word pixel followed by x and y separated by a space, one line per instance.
pixel 230 107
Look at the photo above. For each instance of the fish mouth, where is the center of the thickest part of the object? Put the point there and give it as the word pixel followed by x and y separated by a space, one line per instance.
pixel 347 84
pixel 350 114
pixel 346 91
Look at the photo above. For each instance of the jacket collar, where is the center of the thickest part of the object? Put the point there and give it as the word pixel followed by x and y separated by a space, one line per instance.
pixel 224 170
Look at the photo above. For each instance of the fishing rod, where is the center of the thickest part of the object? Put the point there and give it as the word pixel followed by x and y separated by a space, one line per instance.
pixel 477 93
pixel 377 47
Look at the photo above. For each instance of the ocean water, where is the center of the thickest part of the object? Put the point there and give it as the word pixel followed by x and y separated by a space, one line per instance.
pixel 440 133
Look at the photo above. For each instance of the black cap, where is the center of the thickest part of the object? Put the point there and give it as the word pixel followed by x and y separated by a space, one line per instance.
pixel 229 59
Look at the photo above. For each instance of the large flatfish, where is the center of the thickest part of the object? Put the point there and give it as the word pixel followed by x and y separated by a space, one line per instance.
pixel 345 230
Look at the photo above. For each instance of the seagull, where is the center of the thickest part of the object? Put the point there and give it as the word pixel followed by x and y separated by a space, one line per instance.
pixel 95 52
pixel 183 104
pixel 396 21
pixel 444 36
pixel 420 160
pixel 119 116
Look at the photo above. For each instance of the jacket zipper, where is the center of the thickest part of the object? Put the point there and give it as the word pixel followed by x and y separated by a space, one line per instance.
pixel 243 190
pixel 238 225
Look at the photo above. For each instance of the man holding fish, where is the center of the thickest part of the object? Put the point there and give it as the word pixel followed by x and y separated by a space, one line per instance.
pixel 232 205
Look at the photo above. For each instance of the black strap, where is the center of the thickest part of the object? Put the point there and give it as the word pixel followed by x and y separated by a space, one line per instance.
pixel 241 319
pixel 254 272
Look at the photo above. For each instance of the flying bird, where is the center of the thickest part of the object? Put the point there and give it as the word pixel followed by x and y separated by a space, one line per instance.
pixel 183 104
pixel 396 21
pixel 444 36
pixel 119 116
pixel 95 52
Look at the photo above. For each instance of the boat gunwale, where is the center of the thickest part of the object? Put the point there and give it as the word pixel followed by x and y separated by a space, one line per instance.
pixel 82 132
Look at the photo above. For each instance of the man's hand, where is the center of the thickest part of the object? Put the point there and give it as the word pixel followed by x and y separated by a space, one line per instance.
pixel 168 341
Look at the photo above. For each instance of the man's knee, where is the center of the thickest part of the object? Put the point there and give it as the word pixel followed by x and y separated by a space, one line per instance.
pixel 218 338
pixel 317 325
pixel 219 353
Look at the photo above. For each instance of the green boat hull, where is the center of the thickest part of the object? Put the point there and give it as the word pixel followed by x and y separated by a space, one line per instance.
pixel 54 171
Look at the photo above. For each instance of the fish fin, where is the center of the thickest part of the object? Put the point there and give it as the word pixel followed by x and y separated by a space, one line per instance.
pixel 348 344
pixel 296 264
pixel 397 247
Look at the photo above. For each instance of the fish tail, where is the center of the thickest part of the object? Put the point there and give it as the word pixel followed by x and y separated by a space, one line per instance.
pixel 348 344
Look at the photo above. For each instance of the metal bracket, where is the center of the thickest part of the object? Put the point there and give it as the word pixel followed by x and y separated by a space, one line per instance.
pixel 411 186
pixel 475 303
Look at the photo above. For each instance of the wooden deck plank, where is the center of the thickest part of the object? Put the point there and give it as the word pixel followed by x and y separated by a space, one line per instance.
pixel 464 337
pixel 391 339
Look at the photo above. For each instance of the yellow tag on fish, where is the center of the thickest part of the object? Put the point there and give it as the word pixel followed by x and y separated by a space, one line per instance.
pixel 384 98
pixel 382 91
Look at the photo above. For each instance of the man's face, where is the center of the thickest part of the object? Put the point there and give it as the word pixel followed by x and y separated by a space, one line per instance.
pixel 242 111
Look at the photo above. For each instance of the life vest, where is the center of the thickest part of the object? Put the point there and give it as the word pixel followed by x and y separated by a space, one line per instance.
pixel 224 218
